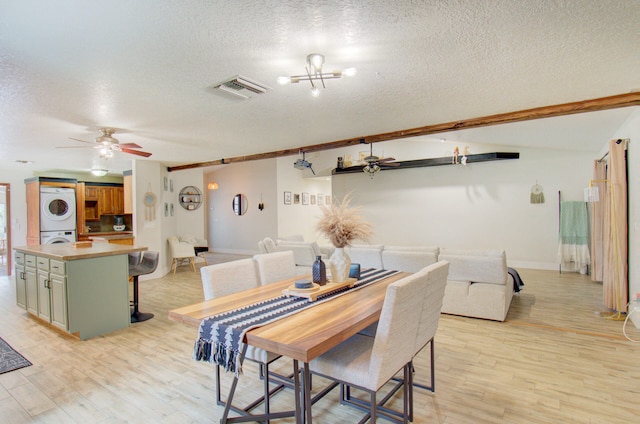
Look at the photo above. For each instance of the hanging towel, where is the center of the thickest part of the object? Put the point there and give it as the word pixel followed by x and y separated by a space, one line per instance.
pixel 573 247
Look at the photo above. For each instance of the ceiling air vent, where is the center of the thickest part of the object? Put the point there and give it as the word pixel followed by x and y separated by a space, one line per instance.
pixel 242 87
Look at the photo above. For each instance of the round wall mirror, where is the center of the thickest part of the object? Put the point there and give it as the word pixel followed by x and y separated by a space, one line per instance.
pixel 239 204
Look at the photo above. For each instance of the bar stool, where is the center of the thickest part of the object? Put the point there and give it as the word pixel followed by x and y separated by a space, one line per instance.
pixel 141 263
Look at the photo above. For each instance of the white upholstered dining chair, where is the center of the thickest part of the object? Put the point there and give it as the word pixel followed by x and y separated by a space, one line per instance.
pixel 368 363
pixel 435 283
pixel 276 266
pixel 181 251
pixel 224 279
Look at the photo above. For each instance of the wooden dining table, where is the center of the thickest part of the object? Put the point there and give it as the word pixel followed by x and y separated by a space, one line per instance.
pixel 304 335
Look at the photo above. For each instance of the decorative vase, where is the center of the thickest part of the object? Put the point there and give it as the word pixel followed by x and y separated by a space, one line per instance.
pixel 339 264
pixel 319 272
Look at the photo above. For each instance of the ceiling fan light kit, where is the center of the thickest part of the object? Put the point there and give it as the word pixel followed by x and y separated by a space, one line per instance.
pixel 109 144
pixel 315 75
pixel 374 163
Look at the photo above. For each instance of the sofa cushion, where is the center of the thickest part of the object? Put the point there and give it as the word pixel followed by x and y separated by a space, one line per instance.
pixel 367 256
pixel 472 252
pixel 409 260
pixel 269 244
pixel 294 237
pixel 430 249
pixel 490 268
pixel 313 244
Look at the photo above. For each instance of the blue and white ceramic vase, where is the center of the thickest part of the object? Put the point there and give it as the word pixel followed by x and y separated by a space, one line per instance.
pixel 319 272
pixel 339 265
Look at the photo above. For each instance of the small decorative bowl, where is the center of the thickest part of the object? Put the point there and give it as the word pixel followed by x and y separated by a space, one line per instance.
pixel 119 227
pixel 303 284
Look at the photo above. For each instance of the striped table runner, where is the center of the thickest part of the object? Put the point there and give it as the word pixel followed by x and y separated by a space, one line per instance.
pixel 221 337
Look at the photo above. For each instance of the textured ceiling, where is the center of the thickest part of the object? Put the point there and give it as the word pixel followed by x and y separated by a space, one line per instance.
pixel 147 68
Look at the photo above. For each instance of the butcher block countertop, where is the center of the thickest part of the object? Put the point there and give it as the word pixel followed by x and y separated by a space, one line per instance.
pixel 67 252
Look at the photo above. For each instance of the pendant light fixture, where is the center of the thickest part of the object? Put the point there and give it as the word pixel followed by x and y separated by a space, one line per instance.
pixel 315 75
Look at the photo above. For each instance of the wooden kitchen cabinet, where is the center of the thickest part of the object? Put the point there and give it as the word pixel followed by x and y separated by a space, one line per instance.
pixel 105 201
pixel 90 192
pixel 110 201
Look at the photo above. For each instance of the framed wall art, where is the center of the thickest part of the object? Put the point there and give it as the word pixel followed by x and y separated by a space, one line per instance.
pixel 296 199
pixel 305 198
pixel 287 197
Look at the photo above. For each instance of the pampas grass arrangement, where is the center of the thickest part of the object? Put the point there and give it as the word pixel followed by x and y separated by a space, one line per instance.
pixel 342 224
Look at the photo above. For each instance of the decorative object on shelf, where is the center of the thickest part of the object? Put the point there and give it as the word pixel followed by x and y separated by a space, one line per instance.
pixel 340 163
pixel 465 152
pixel 537 196
pixel 456 153
pixel 319 272
pixel 342 224
pixel 190 198
pixel 149 201
pixel 314 73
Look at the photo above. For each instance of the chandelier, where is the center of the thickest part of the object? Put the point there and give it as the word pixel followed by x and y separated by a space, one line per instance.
pixel 314 74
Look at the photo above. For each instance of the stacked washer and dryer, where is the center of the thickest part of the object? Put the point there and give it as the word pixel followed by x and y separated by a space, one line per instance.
pixel 57 215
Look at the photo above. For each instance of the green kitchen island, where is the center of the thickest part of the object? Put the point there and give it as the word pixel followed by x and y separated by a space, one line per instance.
pixel 83 291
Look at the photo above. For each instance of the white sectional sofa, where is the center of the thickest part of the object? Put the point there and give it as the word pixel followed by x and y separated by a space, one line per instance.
pixel 305 253
pixel 479 284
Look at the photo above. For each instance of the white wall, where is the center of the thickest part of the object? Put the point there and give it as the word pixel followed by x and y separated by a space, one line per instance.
pixel 18 204
pixel 228 232
pixel 480 205
pixel 299 218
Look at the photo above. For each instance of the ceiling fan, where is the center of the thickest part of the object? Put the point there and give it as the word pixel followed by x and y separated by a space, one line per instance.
pixel 375 163
pixel 108 144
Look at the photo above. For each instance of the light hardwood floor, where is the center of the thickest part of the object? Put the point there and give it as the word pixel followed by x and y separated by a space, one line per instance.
pixel 554 360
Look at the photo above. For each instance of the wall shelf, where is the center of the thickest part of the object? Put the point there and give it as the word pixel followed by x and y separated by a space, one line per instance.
pixel 190 198
pixel 420 163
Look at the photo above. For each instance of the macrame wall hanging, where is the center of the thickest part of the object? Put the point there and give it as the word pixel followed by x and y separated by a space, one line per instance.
pixel 537 196
pixel 149 205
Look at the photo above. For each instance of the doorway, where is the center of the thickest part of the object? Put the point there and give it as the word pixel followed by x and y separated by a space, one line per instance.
pixel 5 229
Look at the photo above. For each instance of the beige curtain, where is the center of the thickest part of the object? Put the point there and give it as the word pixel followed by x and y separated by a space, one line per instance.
pixel 615 285
pixel 597 219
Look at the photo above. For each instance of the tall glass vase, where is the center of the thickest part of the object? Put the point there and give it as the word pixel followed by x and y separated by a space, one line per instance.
pixel 339 265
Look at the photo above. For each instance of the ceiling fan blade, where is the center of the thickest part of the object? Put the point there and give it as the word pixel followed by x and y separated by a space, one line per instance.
pixel 136 152
pixel 386 160
pixel 129 146
pixel 389 164
pixel 82 141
